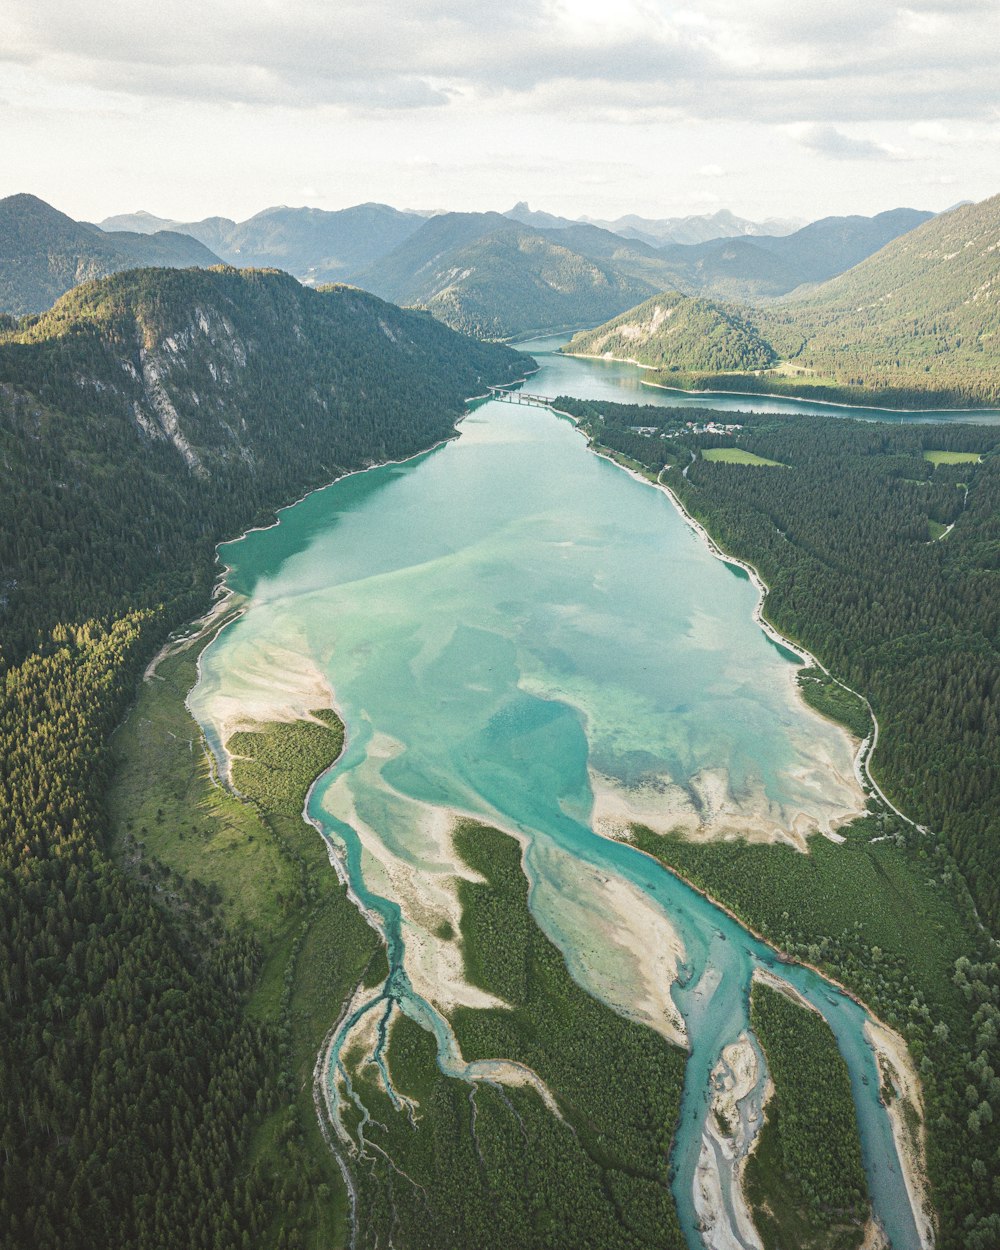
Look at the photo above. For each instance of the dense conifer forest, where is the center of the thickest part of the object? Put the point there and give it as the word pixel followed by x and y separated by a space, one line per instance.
pixel 913 326
pixel 880 544
pixel 144 419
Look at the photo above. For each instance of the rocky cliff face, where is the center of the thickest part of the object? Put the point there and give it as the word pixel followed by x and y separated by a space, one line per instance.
pixel 157 410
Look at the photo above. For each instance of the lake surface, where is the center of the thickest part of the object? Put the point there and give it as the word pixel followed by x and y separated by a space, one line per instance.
pixel 606 379
pixel 515 628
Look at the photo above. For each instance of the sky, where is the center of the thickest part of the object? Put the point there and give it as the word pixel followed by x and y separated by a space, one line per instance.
pixel 770 108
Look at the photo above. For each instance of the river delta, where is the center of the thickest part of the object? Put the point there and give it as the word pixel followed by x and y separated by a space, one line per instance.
pixel 515 629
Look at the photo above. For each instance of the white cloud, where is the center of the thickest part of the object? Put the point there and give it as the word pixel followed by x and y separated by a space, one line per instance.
pixel 829 141
pixel 715 58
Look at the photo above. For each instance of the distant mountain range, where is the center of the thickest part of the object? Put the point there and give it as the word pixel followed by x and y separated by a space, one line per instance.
pixel 697 229
pixel 916 323
pixel 313 245
pixel 751 268
pixel 492 275
pixel 43 253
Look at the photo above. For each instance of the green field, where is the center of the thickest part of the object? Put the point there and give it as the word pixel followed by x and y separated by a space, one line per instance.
pixel 736 455
pixel 268 872
pixel 952 457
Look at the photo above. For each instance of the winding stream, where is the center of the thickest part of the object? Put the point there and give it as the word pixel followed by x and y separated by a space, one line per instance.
pixel 514 628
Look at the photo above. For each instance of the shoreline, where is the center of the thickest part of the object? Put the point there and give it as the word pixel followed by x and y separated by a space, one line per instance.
pixel 866 749
pixel 793 399
pixel 802 399
pixel 768 629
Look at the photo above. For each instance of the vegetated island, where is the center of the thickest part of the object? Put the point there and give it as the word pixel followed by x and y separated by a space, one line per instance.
pixel 859 577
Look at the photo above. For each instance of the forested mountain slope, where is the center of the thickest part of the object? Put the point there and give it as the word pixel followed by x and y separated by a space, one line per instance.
pixel 314 245
pixel 487 275
pixel 922 312
pixel 212 394
pixel 674 330
pixel 748 268
pixel 915 325
pixel 43 253
pixel 145 418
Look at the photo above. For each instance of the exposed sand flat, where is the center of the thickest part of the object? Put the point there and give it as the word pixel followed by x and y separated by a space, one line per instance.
pixel 268 682
pixel 896 1067
pixel 708 809
pixel 783 987
pixel 507 1072
pixel 728 1225
pixel 619 944
pixel 419 871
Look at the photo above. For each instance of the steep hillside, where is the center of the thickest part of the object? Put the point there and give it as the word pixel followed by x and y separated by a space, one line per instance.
pixel 314 245
pixel 923 313
pixel 144 1032
pixel 43 253
pixel 749 268
pixel 915 325
pixel 213 394
pixel 674 331
pixel 487 275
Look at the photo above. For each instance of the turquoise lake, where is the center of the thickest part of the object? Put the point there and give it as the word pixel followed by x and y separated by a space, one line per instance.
pixel 513 627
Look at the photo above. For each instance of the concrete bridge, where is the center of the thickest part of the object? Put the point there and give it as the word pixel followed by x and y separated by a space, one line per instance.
pixel 508 395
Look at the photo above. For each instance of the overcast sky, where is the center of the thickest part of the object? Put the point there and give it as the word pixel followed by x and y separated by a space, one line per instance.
pixel 583 107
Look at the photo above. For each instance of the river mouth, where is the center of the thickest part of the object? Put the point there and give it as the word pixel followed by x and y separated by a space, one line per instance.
pixel 513 629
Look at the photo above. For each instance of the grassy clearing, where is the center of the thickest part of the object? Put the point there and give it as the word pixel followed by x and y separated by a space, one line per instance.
pixel 736 455
pixel 952 457
pixel 267 870
pixel 936 529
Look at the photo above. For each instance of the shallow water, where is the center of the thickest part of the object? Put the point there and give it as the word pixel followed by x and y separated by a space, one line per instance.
pixel 501 620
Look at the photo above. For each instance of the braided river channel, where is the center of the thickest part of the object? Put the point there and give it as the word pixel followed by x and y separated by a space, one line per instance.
pixel 514 628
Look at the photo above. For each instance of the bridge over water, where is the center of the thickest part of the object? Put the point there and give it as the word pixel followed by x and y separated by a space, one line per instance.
pixel 509 395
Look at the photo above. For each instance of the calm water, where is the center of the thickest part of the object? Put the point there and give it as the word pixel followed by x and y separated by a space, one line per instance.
pixel 506 623
pixel 605 379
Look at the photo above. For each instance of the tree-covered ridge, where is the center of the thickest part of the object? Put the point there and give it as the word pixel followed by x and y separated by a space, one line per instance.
pixel 915 325
pixel 138 1091
pixel 496 278
pixel 43 253
pixel 215 395
pixel 674 331
pixel 923 312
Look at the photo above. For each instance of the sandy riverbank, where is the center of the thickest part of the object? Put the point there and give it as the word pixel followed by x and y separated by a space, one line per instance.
pixel 731 1129
pixel 906 1115
pixel 618 944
